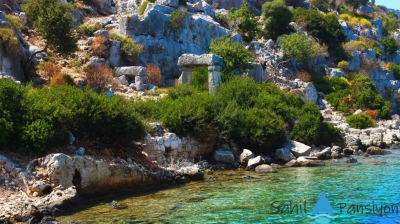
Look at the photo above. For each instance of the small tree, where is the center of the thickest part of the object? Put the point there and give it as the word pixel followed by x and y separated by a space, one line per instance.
pixel 300 47
pixel 276 16
pixel 244 22
pixel 53 21
pixel 236 56
pixel 390 45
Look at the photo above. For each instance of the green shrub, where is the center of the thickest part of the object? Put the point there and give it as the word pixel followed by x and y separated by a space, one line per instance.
pixel 15 22
pixel 255 115
pixel 361 93
pixel 200 78
pixel 236 57
pixel 300 47
pixel 9 39
pixel 130 49
pixel 52 112
pixel 360 121
pixel 244 22
pixel 142 7
pixel 324 27
pixel 11 112
pixel 343 65
pixel 390 45
pixel 181 91
pixel 85 30
pixel 322 84
pixel 178 18
pixel 353 46
pixel 396 70
pixel 378 52
pixel 276 18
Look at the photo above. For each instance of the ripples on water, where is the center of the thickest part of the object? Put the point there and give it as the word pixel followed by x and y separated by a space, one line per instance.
pixel 373 182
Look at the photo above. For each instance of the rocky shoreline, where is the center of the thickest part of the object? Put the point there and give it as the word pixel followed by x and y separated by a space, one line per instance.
pixel 57 183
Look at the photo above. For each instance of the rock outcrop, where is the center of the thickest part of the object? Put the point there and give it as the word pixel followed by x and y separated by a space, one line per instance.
pixel 163 45
pixel 165 147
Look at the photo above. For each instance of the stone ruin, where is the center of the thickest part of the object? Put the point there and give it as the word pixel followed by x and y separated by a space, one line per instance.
pixel 139 73
pixel 214 63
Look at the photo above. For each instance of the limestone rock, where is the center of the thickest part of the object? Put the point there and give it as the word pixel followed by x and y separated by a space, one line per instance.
pixel 284 154
pixel 245 156
pixel 255 162
pixel 355 62
pixel 204 59
pixel 224 156
pixel 264 168
pixel 324 154
pixel 130 71
pixel 299 149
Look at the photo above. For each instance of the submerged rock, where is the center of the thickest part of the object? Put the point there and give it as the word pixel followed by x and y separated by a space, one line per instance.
pixel 264 168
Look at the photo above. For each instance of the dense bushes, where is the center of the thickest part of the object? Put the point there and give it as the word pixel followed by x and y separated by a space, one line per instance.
pixel 390 45
pixel 236 56
pixel 300 47
pixel 324 27
pixel 35 119
pixel 255 115
pixel 276 18
pixel 11 112
pixel 360 93
pixel 360 121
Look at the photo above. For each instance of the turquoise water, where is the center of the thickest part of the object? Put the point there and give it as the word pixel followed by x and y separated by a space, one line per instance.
pixel 371 184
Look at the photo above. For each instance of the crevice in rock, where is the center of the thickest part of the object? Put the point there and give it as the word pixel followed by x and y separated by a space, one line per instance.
pixel 77 182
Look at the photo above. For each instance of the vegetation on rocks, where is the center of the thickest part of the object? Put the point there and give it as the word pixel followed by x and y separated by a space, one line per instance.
pixel 236 56
pixel 34 119
pixel 359 93
pixel 256 115
pixel 360 121
pixel 53 21
pixel 244 22
pixel 300 47
pixel 276 18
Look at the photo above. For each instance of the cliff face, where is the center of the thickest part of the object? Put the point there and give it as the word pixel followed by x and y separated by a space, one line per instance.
pixel 163 45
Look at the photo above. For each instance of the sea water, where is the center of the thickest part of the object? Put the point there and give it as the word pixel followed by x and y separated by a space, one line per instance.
pixel 365 192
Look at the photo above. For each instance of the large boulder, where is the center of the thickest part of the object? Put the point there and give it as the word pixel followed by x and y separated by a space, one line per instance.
pixel 224 156
pixel 245 156
pixel 284 154
pixel 299 149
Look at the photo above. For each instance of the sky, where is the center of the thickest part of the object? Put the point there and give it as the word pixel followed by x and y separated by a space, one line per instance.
pixel 392 4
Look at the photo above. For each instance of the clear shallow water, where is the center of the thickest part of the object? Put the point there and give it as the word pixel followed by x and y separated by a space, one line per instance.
pixel 371 185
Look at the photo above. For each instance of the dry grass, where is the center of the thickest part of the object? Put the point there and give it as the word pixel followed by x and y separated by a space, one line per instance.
pixel 304 76
pixel 62 79
pixel 100 46
pixel 153 74
pixel 100 78
pixel 49 69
